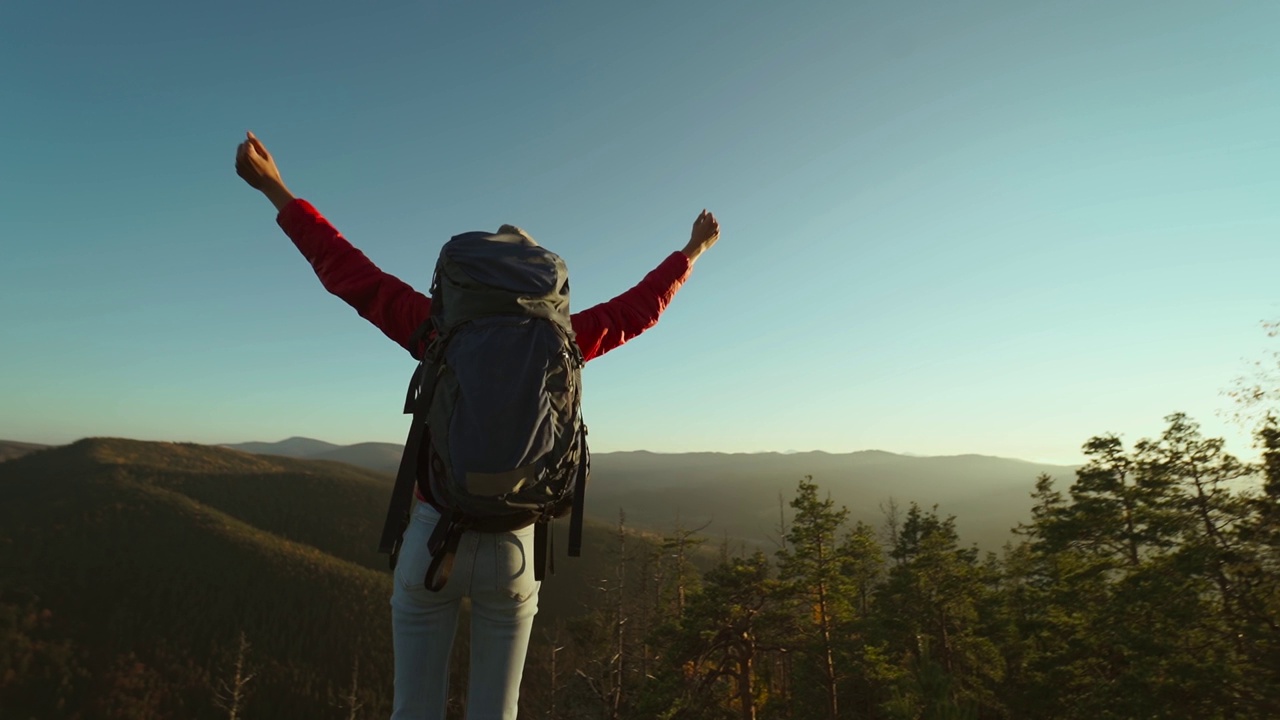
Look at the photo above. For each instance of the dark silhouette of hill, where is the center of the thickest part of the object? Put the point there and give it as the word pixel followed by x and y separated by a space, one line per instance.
pixel 10 449
pixel 380 457
pixel 294 447
pixel 151 557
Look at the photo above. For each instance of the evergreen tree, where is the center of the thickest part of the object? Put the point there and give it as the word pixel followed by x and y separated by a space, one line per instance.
pixel 811 566
pixel 1257 577
pixel 927 611
pixel 678 548
pixel 1129 596
pixel 722 642
pixel 861 567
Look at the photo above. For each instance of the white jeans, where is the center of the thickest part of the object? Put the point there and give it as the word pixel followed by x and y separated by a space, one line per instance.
pixel 495 570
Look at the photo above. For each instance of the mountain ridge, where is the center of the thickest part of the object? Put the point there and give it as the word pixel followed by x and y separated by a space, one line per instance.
pixel 302 447
pixel 145 578
pixel 10 449
pixel 146 559
pixel 738 492
pixel 330 507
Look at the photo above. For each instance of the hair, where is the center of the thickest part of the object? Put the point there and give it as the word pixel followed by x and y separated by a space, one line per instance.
pixel 512 230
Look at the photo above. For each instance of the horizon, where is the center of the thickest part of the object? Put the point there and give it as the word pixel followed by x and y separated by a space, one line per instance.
pixel 996 229
pixel 231 445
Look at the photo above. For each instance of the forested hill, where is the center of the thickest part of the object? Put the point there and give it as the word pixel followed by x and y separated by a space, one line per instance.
pixel 128 570
pixel 1145 586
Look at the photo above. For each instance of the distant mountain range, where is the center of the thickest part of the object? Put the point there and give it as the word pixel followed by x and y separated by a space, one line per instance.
pixel 738 493
pixel 380 457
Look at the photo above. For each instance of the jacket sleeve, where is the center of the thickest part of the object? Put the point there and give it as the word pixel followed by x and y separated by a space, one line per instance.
pixel 608 325
pixel 381 298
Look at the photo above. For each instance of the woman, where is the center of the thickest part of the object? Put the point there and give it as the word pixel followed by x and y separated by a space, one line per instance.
pixel 489 568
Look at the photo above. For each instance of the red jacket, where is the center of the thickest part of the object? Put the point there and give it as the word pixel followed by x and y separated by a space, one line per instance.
pixel 397 309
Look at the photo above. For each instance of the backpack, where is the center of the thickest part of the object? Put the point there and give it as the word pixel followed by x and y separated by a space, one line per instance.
pixel 496 401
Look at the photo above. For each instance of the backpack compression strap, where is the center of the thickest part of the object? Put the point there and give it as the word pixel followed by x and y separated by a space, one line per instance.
pixel 544 552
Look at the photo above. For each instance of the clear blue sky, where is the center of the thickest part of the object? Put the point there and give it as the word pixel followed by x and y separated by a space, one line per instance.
pixel 988 227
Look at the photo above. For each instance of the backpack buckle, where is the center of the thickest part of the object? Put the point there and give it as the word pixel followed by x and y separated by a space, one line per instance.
pixel 395 551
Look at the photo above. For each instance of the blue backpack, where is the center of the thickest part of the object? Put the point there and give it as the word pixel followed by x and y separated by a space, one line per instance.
pixel 497 436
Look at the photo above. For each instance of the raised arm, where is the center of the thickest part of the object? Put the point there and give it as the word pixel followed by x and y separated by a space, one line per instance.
pixel 608 325
pixel 381 298
pixel 256 167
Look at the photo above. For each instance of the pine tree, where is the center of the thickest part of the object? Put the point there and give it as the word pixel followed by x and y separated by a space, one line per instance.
pixel 928 613
pixel 862 564
pixel 1257 572
pixel 811 565
pixel 721 643
pixel 1130 596
pixel 677 548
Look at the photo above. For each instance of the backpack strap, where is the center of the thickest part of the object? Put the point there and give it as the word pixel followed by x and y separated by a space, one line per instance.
pixel 402 494
pixel 540 550
pixel 443 546
pixel 420 336
pixel 579 495
pixel 416 400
